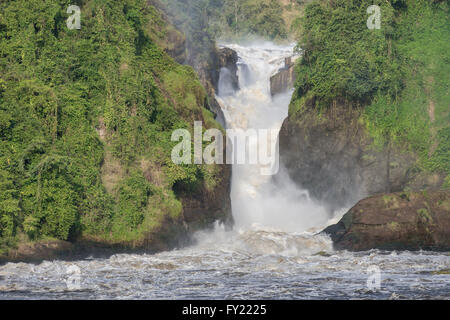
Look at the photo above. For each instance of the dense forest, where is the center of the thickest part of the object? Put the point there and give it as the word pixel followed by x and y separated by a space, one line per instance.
pixel 399 73
pixel 237 19
pixel 86 118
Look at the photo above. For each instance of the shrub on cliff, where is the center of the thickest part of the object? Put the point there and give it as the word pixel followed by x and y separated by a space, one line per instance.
pixel 86 118
pixel 398 72
pixel 341 56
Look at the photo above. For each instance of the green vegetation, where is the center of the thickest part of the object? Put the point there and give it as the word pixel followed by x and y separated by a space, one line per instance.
pixel 399 73
pixel 86 118
pixel 86 115
pixel 234 19
pixel 425 216
pixel 342 57
pixel 258 17
pixel 394 226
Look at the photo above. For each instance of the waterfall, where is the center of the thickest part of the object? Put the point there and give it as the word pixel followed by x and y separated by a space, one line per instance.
pixel 257 202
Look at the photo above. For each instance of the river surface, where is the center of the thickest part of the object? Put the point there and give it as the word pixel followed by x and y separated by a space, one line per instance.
pixel 273 251
pixel 239 266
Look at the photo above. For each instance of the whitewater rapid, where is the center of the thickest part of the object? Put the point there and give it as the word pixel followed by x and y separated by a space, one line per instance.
pixel 258 203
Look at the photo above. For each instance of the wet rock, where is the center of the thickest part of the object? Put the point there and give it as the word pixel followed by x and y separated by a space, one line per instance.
pixel 208 70
pixel 322 254
pixel 284 79
pixel 444 271
pixel 204 207
pixel 37 251
pixel 396 221
pixel 332 156
pixel 228 59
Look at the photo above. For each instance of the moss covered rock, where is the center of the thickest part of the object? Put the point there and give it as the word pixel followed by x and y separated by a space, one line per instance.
pixel 396 221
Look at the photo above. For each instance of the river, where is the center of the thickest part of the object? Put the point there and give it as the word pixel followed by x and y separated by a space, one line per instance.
pixel 272 252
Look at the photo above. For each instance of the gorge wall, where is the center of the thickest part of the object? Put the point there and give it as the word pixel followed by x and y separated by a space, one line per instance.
pixel 332 155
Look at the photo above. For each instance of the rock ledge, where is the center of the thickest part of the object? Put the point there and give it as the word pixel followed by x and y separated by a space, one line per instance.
pixel 396 221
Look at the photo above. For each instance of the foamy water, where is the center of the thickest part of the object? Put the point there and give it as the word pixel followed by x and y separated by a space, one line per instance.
pixel 240 266
pixel 257 202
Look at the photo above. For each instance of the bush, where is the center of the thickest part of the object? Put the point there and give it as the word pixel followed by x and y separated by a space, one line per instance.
pixel 72 100
pixel 399 73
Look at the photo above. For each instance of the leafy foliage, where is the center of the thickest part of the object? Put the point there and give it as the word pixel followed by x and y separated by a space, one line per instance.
pixel 74 103
pixel 230 18
pixel 342 57
pixel 399 73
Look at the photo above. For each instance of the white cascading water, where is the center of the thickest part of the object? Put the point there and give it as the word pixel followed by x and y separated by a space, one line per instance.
pixel 257 203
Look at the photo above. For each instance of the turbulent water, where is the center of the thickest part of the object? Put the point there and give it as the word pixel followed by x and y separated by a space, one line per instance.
pixel 272 251
pixel 257 202
pixel 239 266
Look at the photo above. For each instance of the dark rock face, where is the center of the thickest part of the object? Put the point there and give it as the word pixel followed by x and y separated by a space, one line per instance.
pixel 209 74
pixel 397 221
pixel 284 79
pixel 331 155
pixel 208 71
pixel 38 251
pixel 205 207
pixel 228 59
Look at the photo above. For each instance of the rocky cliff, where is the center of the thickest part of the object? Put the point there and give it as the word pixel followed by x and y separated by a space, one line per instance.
pixel 206 205
pixel 209 74
pixel 197 48
pixel 397 221
pixel 201 205
pixel 228 59
pixel 368 116
pixel 284 79
pixel 332 155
